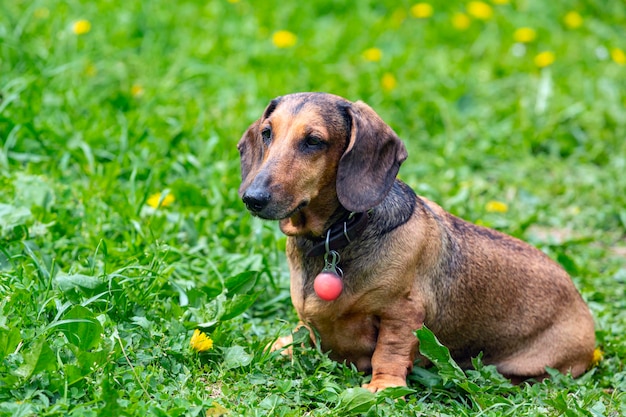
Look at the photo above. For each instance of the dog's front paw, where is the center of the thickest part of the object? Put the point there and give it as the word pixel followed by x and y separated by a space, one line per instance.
pixel 282 344
pixel 380 382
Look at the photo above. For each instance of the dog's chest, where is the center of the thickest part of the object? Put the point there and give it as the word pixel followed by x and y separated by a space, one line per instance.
pixel 345 329
pixel 347 326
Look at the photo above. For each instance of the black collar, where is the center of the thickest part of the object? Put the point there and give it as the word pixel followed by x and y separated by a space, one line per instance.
pixel 340 234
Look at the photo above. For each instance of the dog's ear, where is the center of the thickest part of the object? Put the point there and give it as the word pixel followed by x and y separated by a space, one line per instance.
pixel 371 161
pixel 251 148
pixel 250 152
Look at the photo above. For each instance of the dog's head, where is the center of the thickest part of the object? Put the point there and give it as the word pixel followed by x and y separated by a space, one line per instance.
pixel 310 152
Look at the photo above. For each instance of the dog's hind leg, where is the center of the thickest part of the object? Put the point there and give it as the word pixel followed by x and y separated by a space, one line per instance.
pixel 566 346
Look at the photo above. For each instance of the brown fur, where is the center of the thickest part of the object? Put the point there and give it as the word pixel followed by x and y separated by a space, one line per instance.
pixel 477 289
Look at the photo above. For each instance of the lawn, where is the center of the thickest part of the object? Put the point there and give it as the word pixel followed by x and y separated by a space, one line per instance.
pixel 121 231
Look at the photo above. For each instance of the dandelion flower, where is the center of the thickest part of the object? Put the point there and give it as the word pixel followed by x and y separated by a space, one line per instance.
pixel 597 357
pixel 479 10
pixel 158 200
pixel 388 81
pixel 200 342
pixel 422 10
pixel 461 21
pixel 575 210
pixel 284 39
pixel 524 35
pixel 136 90
pixel 618 56
pixel 494 206
pixel 373 54
pixel 573 20
pixel 80 27
pixel 544 59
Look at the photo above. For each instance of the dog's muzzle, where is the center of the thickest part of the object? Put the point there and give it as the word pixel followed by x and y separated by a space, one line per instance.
pixel 256 200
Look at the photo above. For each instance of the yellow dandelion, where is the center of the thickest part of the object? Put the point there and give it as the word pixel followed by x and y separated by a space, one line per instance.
pixel 284 39
pixel 373 54
pixel 575 210
pixel 422 10
pixel 524 35
pixel 597 357
pixel 216 410
pixel 461 21
pixel 544 59
pixel 80 27
pixel 388 81
pixel 573 20
pixel 618 56
pixel 136 90
pixel 41 13
pixel 159 200
pixel 494 206
pixel 479 10
pixel 500 1
pixel 200 342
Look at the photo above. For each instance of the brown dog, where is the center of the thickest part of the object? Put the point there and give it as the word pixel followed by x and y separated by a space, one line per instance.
pixel 326 168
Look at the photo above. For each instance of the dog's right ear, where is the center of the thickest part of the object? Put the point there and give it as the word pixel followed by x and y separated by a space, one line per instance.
pixel 369 166
pixel 251 148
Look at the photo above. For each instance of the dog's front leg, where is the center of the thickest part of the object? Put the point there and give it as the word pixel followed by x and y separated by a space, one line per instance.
pixel 284 344
pixel 396 348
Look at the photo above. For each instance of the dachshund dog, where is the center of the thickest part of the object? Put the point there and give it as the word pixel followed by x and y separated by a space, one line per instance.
pixel 371 262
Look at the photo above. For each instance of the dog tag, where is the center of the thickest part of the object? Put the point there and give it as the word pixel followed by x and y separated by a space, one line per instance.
pixel 328 284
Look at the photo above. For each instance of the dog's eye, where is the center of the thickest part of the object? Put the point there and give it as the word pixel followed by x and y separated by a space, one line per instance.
pixel 266 134
pixel 313 142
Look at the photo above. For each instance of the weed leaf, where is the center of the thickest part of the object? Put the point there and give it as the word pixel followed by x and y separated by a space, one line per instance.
pixel 9 339
pixel 81 328
pixel 397 392
pixel 110 396
pixel 11 216
pixel 16 409
pixel 239 304
pixel 439 355
pixel 39 357
pixel 236 357
pixel 355 401
pixel 242 282
pixel 68 282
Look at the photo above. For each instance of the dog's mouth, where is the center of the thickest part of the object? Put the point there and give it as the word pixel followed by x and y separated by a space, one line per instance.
pixel 295 211
pixel 275 214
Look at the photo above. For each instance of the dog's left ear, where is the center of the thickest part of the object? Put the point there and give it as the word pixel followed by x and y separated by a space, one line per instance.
pixel 250 153
pixel 251 148
pixel 371 162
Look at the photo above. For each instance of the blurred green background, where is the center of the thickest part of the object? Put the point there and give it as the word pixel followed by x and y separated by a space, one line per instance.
pixel 120 226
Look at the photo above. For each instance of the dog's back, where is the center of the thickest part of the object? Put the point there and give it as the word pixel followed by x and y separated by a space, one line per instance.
pixel 507 299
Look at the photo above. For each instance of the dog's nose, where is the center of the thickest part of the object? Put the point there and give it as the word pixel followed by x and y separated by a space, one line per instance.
pixel 256 200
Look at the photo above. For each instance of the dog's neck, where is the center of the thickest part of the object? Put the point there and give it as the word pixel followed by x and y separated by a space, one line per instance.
pixel 340 233
pixel 314 219
pixel 305 223
pixel 336 231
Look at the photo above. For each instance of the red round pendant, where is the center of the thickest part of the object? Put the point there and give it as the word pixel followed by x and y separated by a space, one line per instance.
pixel 328 286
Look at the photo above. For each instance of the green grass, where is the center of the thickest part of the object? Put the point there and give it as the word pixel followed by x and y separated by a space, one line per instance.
pixel 100 293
